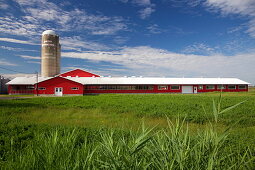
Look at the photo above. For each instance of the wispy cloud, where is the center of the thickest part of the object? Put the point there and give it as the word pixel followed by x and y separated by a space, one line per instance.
pixel 200 48
pixel 34 62
pixel 146 12
pixel 18 26
pixel 120 39
pixel 6 63
pixel 147 7
pixel 154 29
pixel 167 63
pixel 3 5
pixel 17 41
pixel 30 57
pixel 15 49
pixel 77 43
pixel 40 15
pixel 12 76
pixel 244 8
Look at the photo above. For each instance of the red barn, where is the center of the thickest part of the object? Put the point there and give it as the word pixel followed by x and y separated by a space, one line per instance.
pixel 80 82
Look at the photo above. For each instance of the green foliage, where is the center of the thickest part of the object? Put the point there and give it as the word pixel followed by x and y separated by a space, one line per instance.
pixel 172 148
pixel 104 132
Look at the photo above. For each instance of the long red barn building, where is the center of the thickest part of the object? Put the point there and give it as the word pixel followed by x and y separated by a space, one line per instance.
pixel 79 82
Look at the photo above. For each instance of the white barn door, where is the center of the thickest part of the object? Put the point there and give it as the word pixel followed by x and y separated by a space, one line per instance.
pixel 58 91
pixel 187 89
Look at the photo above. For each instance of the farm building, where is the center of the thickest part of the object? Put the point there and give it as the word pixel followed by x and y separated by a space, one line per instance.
pixel 80 82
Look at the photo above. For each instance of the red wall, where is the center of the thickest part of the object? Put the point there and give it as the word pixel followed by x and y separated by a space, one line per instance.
pixel 155 90
pixel 19 89
pixel 59 82
pixel 223 90
pixel 79 73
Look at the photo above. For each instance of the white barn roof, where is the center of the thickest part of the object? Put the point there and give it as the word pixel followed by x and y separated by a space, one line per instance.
pixel 26 80
pixel 139 80
pixel 131 80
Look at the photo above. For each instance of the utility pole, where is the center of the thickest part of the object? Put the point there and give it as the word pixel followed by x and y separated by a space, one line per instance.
pixel 36 85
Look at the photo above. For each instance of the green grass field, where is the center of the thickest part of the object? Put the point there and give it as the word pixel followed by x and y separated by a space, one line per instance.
pixel 106 132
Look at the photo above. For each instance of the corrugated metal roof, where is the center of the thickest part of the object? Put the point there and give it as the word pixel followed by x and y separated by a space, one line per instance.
pixel 27 80
pixel 131 80
pixel 139 80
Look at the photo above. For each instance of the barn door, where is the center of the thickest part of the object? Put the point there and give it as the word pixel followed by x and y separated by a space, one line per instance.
pixel 195 89
pixel 58 91
pixel 187 89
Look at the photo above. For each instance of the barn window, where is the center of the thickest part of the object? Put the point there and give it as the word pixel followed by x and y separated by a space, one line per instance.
pixel 241 86
pixel 231 87
pixel 200 87
pixel 30 87
pixel 41 88
pixel 221 87
pixel 209 87
pixel 175 87
pixel 162 87
pixel 75 88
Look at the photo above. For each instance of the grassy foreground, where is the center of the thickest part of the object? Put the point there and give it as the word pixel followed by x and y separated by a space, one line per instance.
pixel 105 132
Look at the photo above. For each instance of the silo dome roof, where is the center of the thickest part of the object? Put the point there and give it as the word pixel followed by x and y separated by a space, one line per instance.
pixel 51 32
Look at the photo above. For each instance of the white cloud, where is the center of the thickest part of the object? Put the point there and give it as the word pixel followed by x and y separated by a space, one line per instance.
pixel 12 76
pixel 147 61
pixel 40 15
pixel 6 63
pixel 34 62
pixel 77 43
pixel 30 57
pixel 240 7
pixel 146 12
pixel 3 5
pixel 15 26
pixel 120 39
pixel 15 49
pixel 200 48
pixel 142 2
pixel 17 41
pixel 154 29
pixel 147 8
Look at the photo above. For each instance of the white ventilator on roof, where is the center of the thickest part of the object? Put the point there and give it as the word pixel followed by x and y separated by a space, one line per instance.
pixel 51 32
pixel 137 80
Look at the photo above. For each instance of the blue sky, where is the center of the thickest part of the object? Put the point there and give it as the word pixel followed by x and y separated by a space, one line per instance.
pixel 163 38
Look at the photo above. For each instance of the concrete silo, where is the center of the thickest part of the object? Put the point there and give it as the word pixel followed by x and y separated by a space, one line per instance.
pixel 50 64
